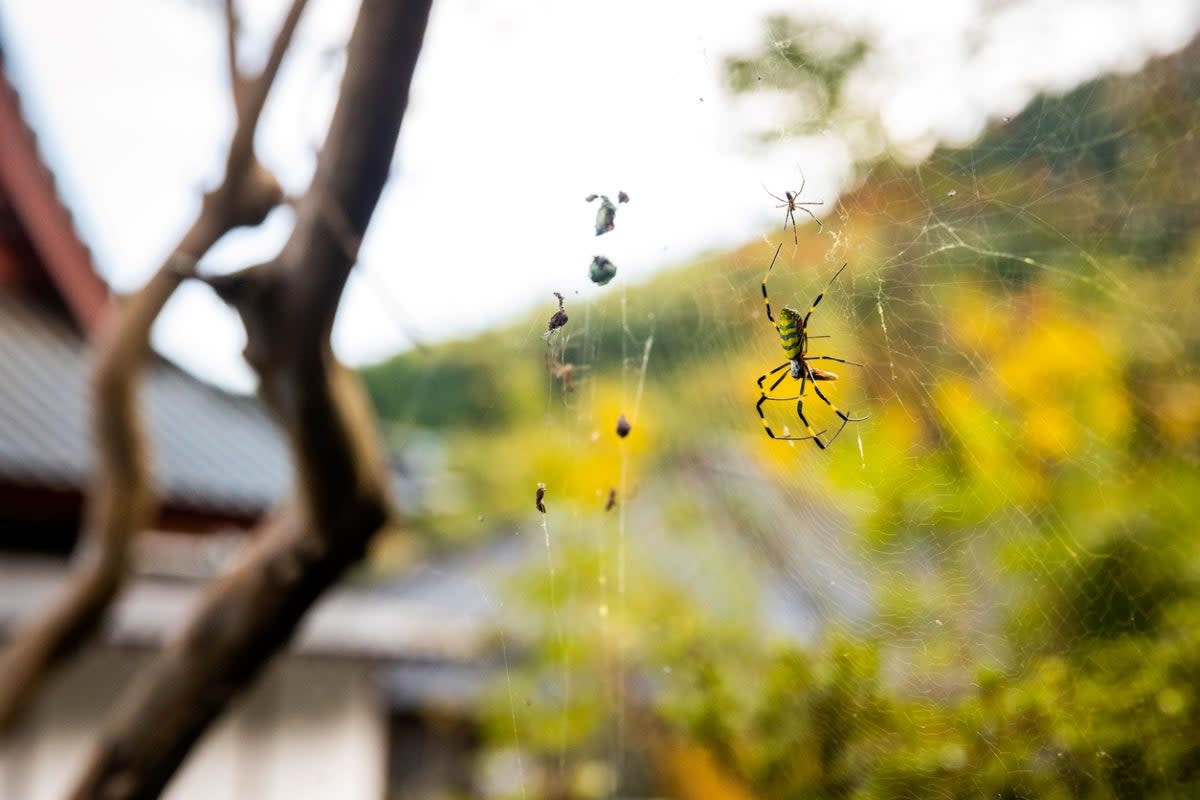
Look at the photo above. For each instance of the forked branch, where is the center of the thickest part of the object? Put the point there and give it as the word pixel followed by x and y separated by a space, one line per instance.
pixel 287 306
pixel 120 502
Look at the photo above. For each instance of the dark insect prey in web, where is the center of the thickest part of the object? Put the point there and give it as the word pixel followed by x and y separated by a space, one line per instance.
pixel 602 271
pixel 605 215
pixel 559 318
pixel 623 426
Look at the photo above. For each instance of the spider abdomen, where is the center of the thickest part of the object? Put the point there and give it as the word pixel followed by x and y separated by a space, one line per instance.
pixel 789 336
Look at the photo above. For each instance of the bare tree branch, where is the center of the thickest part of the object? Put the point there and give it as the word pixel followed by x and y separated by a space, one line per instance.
pixel 287 306
pixel 241 147
pixel 233 26
pixel 120 502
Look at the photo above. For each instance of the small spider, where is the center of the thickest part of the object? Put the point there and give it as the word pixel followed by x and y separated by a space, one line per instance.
pixel 793 335
pixel 792 202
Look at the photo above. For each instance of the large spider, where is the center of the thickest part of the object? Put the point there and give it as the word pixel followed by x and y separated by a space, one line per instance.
pixel 793 335
pixel 792 202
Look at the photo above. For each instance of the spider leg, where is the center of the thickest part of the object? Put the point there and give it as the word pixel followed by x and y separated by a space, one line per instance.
pixel 792 216
pixel 844 417
pixel 803 180
pixel 817 302
pixel 777 197
pixel 764 397
pixel 786 438
pixel 832 358
pixel 765 375
pixel 815 436
pixel 778 380
pixel 801 207
pixel 766 299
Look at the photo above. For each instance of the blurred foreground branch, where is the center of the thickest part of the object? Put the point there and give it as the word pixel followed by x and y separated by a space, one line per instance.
pixel 120 501
pixel 287 306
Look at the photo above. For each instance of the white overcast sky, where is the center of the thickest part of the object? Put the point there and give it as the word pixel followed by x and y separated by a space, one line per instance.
pixel 520 109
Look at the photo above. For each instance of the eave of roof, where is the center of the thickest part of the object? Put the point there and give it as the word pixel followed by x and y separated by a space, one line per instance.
pixel 29 188
pixel 345 623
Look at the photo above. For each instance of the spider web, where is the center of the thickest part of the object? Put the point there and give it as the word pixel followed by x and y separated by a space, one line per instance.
pixel 987 587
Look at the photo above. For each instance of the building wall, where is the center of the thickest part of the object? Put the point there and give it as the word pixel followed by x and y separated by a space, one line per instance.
pixel 310 730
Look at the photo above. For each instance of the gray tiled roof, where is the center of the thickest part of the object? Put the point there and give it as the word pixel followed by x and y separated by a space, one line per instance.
pixel 213 451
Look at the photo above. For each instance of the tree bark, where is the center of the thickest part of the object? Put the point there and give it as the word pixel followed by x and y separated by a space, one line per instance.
pixel 340 501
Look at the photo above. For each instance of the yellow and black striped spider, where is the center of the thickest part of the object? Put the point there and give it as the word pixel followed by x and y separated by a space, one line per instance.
pixel 792 202
pixel 793 335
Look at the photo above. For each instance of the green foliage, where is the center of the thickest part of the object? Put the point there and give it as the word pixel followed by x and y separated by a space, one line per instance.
pixel 469 386
pixel 1117 719
pixel 809 62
